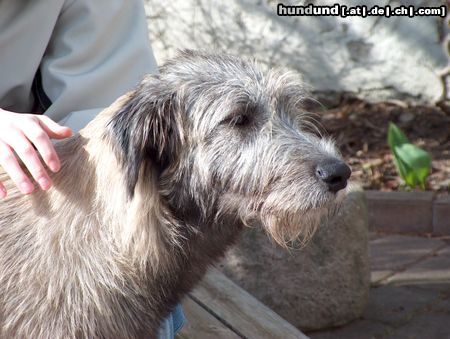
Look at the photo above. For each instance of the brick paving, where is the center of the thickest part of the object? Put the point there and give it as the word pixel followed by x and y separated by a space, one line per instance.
pixel 410 294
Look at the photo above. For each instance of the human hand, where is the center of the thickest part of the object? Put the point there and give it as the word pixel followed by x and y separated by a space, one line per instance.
pixel 19 133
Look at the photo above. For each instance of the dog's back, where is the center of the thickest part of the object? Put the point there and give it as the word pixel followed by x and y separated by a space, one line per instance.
pixel 62 273
pixel 51 280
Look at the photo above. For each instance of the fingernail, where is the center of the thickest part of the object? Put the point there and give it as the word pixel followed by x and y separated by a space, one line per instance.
pixel 44 183
pixel 54 166
pixel 26 188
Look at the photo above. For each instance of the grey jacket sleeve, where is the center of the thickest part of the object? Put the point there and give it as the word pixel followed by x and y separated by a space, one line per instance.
pixel 98 51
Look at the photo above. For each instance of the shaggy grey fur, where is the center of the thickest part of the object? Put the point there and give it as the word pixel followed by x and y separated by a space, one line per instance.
pixel 153 191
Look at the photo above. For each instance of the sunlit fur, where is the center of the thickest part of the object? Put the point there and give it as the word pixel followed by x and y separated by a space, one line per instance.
pixel 152 192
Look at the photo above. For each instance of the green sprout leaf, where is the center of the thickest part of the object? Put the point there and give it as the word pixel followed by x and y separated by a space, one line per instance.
pixel 412 162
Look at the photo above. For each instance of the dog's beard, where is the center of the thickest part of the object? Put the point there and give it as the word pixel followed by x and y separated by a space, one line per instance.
pixel 295 228
pixel 288 222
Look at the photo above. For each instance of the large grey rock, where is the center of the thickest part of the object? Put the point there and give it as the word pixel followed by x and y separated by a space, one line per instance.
pixel 322 285
pixel 374 57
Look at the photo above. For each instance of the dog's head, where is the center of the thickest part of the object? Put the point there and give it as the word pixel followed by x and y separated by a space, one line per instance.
pixel 226 139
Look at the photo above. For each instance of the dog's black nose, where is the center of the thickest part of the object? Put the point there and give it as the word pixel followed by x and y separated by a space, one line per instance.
pixel 334 173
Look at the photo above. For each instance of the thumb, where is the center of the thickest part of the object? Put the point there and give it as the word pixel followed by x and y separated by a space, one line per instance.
pixel 53 129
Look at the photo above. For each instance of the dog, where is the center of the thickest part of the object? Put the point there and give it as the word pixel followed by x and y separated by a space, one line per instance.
pixel 154 190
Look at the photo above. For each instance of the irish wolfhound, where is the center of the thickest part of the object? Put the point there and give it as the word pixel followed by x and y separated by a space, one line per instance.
pixel 153 191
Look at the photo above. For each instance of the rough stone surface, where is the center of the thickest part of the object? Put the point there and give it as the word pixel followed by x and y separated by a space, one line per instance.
pixel 324 284
pixel 376 57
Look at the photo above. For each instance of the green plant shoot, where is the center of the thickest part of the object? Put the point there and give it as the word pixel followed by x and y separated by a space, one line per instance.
pixel 413 163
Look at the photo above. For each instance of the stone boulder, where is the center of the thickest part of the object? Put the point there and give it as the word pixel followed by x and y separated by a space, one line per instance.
pixel 322 285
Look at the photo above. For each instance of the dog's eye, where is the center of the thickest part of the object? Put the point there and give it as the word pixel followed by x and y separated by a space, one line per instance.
pixel 238 120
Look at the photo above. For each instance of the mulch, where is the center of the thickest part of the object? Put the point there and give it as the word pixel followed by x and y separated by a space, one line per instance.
pixel 360 130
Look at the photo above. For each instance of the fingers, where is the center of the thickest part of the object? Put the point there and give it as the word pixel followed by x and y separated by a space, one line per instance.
pixel 28 136
pixel 30 158
pixel 40 139
pixel 11 166
pixel 53 129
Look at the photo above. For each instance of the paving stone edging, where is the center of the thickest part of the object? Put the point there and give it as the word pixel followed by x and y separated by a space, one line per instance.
pixel 408 212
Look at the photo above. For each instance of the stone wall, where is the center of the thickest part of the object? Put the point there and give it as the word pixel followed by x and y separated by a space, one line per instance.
pixel 374 57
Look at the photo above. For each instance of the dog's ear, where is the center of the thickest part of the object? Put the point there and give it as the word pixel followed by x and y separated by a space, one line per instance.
pixel 147 130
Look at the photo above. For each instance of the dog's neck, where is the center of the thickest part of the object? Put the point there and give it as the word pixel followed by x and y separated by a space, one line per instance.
pixel 92 184
pixel 146 229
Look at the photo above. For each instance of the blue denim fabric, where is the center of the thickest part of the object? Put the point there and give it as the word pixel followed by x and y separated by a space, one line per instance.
pixel 172 324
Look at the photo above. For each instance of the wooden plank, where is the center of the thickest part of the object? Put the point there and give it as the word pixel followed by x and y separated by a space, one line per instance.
pixel 202 325
pixel 239 310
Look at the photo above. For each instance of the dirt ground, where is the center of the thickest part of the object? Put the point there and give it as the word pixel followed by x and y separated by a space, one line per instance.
pixel 360 130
